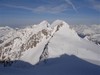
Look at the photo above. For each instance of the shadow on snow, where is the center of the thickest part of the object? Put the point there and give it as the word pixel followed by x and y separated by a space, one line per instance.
pixel 63 65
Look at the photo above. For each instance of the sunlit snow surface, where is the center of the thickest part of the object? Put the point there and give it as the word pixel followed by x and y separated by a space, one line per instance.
pixel 90 32
pixel 68 54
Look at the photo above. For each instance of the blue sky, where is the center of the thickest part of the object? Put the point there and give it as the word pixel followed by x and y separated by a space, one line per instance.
pixel 26 12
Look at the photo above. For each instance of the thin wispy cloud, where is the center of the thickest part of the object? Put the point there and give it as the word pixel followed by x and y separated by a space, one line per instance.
pixel 73 6
pixel 97 7
pixel 16 6
pixel 43 8
pixel 95 4
pixel 53 9
pixel 50 9
pixel 87 11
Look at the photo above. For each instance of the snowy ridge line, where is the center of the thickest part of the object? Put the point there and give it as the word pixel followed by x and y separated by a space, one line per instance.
pixel 45 54
pixel 43 41
pixel 9 50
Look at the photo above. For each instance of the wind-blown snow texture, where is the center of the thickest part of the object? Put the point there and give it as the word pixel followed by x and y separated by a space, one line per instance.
pixel 43 49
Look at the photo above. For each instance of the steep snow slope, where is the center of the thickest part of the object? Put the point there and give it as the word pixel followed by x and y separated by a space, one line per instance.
pixel 66 41
pixel 18 41
pixel 40 42
pixel 54 49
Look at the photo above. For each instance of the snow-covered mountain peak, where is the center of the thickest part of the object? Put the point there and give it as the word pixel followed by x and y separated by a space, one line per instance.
pixel 6 27
pixel 20 40
pixel 59 22
pixel 44 48
pixel 42 41
pixel 44 24
pixel 63 28
pixel 5 30
pixel 44 21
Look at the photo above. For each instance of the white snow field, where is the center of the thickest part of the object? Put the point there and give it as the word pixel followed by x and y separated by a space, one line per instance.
pixel 90 32
pixel 48 49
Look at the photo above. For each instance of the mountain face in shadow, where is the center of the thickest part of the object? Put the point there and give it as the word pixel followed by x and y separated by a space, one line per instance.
pixel 63 65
